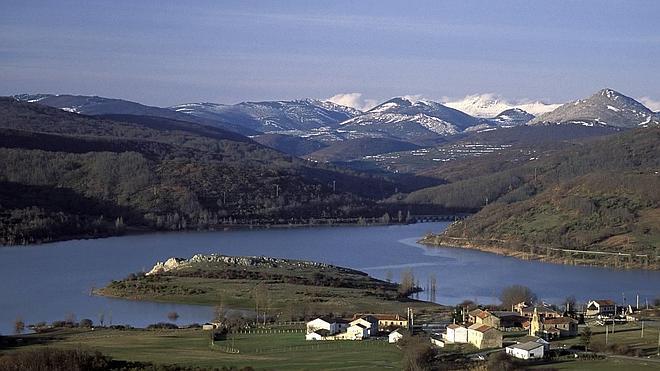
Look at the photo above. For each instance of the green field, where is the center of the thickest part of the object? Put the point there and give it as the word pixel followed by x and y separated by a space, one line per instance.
pixel 608 364
pixel 193 347
pixel 287 289
pixel 628 336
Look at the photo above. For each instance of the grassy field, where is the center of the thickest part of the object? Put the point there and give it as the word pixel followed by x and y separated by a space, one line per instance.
pixel 291 289
pixel 601 365
pixel 628 335
pixel 193 347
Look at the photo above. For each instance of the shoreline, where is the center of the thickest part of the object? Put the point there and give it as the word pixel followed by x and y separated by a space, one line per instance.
pixel 229 228
pixel 562 256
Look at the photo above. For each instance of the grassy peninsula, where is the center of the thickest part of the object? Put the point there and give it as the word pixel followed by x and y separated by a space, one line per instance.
pixel 280 287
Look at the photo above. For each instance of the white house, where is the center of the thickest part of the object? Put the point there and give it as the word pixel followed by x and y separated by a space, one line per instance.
pixel 536 339
pixel 354 332
pixel 395 336
pixel 437 341
pixel 456 334
pixel 324 323
pixel 369 322
pixel 604 308
pixel 528 350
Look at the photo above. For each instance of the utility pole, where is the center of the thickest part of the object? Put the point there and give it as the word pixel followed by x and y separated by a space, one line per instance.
pixel 642 330
pixel 606 327
pixel 277 190
pixel 334 186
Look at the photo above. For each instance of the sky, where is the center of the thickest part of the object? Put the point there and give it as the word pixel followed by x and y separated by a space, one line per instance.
pixel 164 53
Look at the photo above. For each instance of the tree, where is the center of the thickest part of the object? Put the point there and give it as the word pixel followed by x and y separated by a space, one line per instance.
pixel 173 316
pixel 585 338
pixel 19 326
pixel 86 323
pixel 418 353
pixel 515 294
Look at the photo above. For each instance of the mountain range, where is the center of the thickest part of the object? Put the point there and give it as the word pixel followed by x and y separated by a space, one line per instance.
pixel 604 108
pixel 420 122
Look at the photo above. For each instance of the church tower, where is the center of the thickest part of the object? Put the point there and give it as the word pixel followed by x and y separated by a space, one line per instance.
pixel 535 326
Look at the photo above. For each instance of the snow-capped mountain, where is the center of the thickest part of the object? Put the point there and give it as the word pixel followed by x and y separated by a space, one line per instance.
pixel 303 115
pixel 512 117
pixel 490 105
pixel 605 108
pixel 93 105
pixel 404 119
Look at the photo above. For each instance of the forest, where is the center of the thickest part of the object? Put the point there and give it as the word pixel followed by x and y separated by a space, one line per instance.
pixel 67 175
pixel 601 196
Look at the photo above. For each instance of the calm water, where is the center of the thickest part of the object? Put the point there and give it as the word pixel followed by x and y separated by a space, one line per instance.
pixel 49 282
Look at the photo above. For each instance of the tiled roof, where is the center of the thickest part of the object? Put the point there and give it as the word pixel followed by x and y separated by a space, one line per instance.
pixel 530 345
pixel 559 320
pixel 454 326
pixel 480 327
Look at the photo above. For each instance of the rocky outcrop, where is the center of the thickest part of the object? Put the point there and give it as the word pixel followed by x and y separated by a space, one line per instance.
pixel 236 261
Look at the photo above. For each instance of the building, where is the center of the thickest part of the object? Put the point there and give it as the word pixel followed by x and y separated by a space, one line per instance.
pixel 456 334
pixel 333 325
pixel 528 350
pixel 211 326
pixel 477 316
pixel 504 320
pixel 536 339
pixel 552 328
pixel 606 308
pixel 369 322
pixel 387 321
pixel 543 312
pixel 354 332
pixel 484 336
pixel 567 326
pixel 394 336
pixel 437 341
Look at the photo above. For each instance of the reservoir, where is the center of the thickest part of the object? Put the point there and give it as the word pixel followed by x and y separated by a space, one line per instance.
pixel 53 281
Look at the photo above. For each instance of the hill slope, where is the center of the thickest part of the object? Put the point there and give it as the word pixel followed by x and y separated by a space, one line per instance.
pixel 65 174
pixel 357 148
pixel 93 105
pixel 604 108
pixel 600 196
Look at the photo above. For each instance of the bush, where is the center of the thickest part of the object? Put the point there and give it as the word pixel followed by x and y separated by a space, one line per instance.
pixel 162 326
pixel 86 323
pixel 54 360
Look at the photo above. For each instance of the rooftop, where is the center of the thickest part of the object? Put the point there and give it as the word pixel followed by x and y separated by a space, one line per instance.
pixel 530 345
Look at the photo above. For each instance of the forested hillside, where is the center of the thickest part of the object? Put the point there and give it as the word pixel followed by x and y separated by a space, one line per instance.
pixel 65 174
pixel 599 196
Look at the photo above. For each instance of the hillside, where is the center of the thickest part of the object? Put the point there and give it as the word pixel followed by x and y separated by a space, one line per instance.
pixel 93 106
pixel 357 148
pixel 260 282
pixel 289 144
pixel 301 116
pixel 68 175
pixel 604 108
pixel 599 196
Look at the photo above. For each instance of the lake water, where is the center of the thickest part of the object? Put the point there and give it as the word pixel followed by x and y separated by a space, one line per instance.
pixel 48 282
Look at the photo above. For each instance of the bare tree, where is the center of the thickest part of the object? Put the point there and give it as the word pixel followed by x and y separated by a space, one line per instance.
pixel 19 326
pixel 515 294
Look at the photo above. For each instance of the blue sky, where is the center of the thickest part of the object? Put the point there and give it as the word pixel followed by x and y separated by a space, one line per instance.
pixel 228 51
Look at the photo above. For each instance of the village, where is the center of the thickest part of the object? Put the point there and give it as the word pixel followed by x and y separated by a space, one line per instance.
pixel 529 331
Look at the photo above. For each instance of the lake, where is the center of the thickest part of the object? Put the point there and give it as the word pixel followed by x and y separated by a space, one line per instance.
pixel 51 281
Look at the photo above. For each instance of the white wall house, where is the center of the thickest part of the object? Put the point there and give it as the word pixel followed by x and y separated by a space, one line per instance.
pixel 394 336
pixel 370 322
pixel 323 324
pixel 528 350
pixel 456 334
